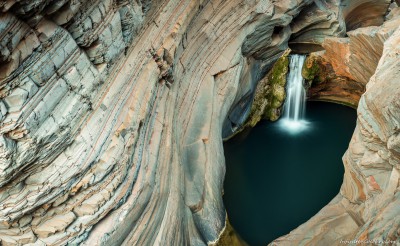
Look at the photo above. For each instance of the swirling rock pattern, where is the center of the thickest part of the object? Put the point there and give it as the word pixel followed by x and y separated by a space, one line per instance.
pixel 340 72
pixel 357 55
pixel 112 114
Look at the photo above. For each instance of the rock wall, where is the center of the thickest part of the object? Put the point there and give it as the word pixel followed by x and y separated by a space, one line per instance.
pixel 112 112
pixel 340 72
pixel 357 55
pixel 324 84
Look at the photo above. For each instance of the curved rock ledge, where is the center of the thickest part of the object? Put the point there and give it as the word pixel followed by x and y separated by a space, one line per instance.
pixel 112 114
pixel 362 13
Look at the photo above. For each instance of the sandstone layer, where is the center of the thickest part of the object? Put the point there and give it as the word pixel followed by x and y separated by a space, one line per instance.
pixel 325 85
pixel 112 114
pixel 341 71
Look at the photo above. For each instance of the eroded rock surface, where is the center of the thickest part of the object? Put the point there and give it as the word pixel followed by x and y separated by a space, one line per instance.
pixel 341 72
pixel 112 114
pixel 357 56
pixel 325 85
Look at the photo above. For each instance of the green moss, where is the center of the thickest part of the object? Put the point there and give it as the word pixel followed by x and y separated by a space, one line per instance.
pixel 270 93
pixel 276 94
pixel 279 71
pixel 310 71
pixel 314 71
pixel 229 237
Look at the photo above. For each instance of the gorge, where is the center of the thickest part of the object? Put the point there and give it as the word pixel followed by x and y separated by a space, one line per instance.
pixel 303 150
pixel 278 178
pixel 113 114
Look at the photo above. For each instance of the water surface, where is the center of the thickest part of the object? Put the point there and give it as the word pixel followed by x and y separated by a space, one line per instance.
pixel 276 181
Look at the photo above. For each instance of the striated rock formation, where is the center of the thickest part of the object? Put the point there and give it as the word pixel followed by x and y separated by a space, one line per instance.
pixel 357 56
pixel 314 23
pixel 361 13
pixel 112 114
pixel 341 71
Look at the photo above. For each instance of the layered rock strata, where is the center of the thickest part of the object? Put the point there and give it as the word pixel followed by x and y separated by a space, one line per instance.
pixel 357 55
pixel 361 13
pixel 303 29
pixel 341 72
pixel 112 113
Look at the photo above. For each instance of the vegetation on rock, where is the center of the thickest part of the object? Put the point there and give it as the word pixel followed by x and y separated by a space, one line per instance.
pixel 270 93
pixel 229 237
pixel 313 71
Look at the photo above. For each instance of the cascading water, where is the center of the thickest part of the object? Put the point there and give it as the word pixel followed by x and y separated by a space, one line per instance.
pixel 294 108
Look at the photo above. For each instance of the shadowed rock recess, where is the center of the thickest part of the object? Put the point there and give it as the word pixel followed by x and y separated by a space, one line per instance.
pixel 112 115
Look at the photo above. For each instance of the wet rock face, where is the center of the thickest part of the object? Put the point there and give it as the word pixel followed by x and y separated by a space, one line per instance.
pixel 325 85
pixel 112 113
pixel 270 94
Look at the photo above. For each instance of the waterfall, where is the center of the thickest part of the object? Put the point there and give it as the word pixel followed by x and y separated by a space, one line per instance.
pixel 294 109
pixel 295 92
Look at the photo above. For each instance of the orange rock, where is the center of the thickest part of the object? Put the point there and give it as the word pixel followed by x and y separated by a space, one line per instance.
pixel 338 54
